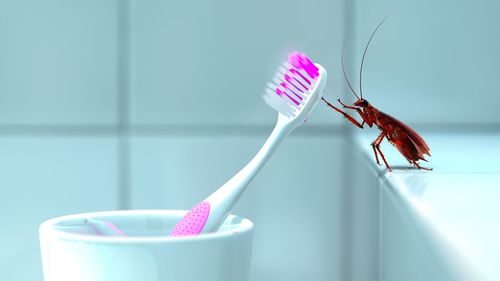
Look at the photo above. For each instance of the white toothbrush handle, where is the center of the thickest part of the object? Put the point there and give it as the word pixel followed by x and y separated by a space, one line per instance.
pixel 223 199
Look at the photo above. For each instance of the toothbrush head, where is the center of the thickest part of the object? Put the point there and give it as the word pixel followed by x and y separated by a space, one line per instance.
pixel 296 88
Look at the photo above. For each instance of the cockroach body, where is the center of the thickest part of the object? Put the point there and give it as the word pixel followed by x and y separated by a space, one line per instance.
pixel 408 142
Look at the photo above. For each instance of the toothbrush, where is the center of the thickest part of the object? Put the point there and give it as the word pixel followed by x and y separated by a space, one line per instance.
pixel 104 228
pixel 294 92
pixel 98 226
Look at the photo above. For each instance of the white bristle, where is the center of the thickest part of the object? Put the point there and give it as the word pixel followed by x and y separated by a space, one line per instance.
pixel 302 79
pixel 297 88
pixel 283 103
pixel 277 104
pixel 299 98
pixel 283 70
pixel 279 76
pixel 288 102
pixel 286 66
pixel 297 84
pixel 289 97
pixel 280 104
pixel 293 90
pixel 277 80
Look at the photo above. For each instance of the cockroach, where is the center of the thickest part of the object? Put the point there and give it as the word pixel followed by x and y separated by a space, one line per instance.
pixel 408 142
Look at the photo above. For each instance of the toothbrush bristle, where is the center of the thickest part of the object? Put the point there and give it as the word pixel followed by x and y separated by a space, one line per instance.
pixel 290 86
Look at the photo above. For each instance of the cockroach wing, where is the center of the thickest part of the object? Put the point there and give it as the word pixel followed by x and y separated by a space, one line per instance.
pixel 401 128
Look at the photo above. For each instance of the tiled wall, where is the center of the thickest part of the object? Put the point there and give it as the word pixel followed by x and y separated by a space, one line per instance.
pixel 206 63
pixel 58 92
pixel 432 62
pixel 58 62
pixel 154 104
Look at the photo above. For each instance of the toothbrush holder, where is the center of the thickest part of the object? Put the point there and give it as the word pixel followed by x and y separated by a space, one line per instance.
pixel 72 251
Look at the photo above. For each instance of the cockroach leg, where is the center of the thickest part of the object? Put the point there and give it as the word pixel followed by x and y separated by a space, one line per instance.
pixel 347 116
pixel 383 158
pixel 420 167
pixel 361 113
pixel 376 146
pixel 380 138
pixel 344 105
pixel 375 152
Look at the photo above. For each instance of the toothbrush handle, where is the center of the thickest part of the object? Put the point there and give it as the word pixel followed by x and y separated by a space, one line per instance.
pixel 106 228
pixel 223 199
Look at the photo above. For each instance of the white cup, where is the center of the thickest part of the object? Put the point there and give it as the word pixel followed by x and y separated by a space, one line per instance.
pixel 73 251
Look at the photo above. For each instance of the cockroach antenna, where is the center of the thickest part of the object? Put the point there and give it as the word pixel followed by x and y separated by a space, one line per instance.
pixel 343 70
pixel 364 53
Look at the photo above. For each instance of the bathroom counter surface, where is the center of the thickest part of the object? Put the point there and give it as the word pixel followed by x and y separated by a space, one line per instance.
pixel 444 220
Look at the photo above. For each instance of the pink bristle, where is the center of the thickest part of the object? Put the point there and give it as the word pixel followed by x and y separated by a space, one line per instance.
pixel 287 88
pixel 283 93
pixel 301 61
pixel 297 73
pixel 289 80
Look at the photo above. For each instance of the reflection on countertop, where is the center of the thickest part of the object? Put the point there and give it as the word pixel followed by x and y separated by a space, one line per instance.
pixel 444 224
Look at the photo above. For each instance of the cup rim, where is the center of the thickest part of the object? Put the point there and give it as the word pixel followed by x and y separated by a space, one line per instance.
pixel 46 227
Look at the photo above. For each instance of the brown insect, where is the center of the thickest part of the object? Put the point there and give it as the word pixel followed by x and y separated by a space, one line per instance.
pixel 408 142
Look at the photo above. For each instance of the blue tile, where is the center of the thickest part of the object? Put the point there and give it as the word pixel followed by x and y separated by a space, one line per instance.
pixel 431 62
pixel 293 201
pixel 58 62
pixel 47 177
pixel 360 221
pixel 208 62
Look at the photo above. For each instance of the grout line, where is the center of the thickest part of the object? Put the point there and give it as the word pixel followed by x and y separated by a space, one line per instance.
pixel 125 128
pixel 124 185
pixel 379 228
pixel 232 130
pixel 157 130
pixel 348 167
pixel 346 205
pixel 123 78
pixel 58 130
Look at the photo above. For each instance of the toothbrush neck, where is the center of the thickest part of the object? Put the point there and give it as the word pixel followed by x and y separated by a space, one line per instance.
pixel 266 151
pixel 232 190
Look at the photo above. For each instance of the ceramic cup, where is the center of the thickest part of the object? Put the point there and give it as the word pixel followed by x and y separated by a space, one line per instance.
pixel 74 250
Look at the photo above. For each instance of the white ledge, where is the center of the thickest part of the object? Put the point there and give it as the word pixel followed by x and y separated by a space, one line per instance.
pixel 443 224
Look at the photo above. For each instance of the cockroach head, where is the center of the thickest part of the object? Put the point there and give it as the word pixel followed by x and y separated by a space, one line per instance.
pixel 361 103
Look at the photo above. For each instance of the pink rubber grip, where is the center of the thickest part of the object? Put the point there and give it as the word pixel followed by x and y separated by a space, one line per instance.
pixel 193 222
